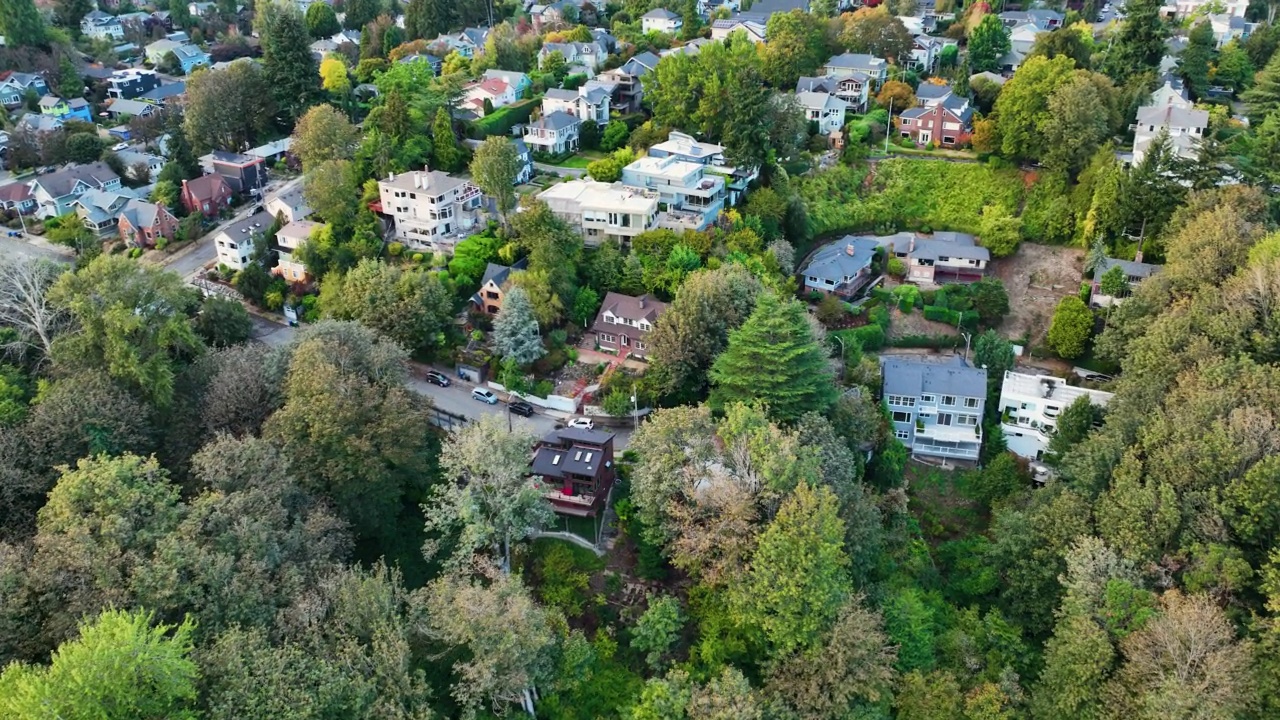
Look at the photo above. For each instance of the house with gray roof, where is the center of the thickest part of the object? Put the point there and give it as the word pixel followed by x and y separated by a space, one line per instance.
pixel 1135 271
pixel 488 299
pixel 721 29
pixel 843 267
pixel 661 20
pixel 576 466
pixel 56 193
pixel 120 110
pixel 1044 20
pixel 554 133
pixel 15 85
pixel 589 103
pixel 623 324
pixel 854 89
pixel 826 110
pixel 628 93
pixel 1184 127
pixel 588 54
pixel 946 257
pixel 847 64
pixel 935 408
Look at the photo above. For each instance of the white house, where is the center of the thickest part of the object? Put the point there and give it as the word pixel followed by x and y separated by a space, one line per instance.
pixel 850 63
pixel 661 20
pixel 1187 8
pixel 101 25
pixel 236 242
pixel 589 54
pixel 722 29
pixel 589 103
pixel 935 408
pixel 709 155
pixel 825 110
pixel 554 133
pixel 694 197
pixel 1185 127
pixel 602 211
pixel 853 89
pixel 497 92
pixel 291 206
pixel 431 210
pixel 1030 406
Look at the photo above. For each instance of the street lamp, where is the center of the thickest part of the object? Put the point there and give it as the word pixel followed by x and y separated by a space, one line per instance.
pixel 635 408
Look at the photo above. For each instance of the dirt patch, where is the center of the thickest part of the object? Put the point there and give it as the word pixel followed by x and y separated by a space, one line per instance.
pixel 914 323
pixel 1036 278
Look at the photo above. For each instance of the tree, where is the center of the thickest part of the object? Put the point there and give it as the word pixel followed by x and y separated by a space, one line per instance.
pixel 222 322
pixel 673 440
pixel 1193 62
pixel 797 46
pixel 226 109
pixel 1114 282
pixel 331 191
pixel 121 662
pixel 134 321
pixel 988 42
pixel 83 148
pixel 615 136
pixel 508 637
pixel 323 134
pixel 322 22
pixel 447 154
pixel 494 169
pixel 21 21
pixel 695 328
pixel 876 32
pixel 1075 126
pixel 999 231
pixel 287 62
pixel 1078 659
pixel 658 629
pixel 1065 41
pixel 69 13
pixel 494 502
pixel 1263 99
pixel 1074 425
pixel 335 78
pixel 25 308
pixel 408 305
pixel 1070 328
pixel 426 19
pixel 515 330
pixel 1140 44
pixel 798 579
pixel 896 93
pixel 995 353
pixel 990 300
pixel 774 359
pixel 1023 105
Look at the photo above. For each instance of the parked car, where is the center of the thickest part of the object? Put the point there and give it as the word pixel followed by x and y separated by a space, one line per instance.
pixel 484 396
pixel 581 423
pixel 436 377
pixel 521 408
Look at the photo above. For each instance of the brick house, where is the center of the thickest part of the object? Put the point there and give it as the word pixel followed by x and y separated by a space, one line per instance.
pixel 488 299
pixel 577 469
pixel 141 223
pixel 945 124
pixel 624 322
pixel 207 195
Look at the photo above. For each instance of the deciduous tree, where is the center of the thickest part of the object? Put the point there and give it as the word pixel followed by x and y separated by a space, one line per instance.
pixel 876 32
pixel 1070 328
pixel 21 21
pixel 988 42
pixel 408 305
pixel 25 308
pixel 494 169
pixel 227 109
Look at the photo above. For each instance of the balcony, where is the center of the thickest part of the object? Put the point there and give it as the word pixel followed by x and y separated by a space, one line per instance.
pixel 950 433
pixel 578 505
pixel 964 451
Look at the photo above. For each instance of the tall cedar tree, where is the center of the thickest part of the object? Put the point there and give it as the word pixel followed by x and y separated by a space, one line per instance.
pixel 286 58
pixel 1263 98
pixel 515 331
pixel 20 23
pixel 425 19
pixel 322 21
pixel 1140 45
pixel 774 359
pixel 1193 63
pixel 446 153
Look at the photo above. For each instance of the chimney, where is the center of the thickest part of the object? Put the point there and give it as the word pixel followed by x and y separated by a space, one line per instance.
pixel 849 250
pixel 642 297
pixel 417 179
pixel 1137 256
pixel 391 177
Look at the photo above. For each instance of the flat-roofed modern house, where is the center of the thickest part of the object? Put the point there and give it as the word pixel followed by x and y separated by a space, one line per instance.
pixel 693 196
pixel 1030 406
pixel 603 211
pixel 935 408
pixel 431 210
pixel 841 268
pixel 576 466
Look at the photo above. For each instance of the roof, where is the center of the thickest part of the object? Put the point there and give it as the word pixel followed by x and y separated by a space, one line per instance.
pixel 1048 387
pixel 435 181
pixel 62 182
pixel 678 143
pixel 856 61
pixel 640 63
pixel 572 434
pixel 660 14
pixel 644 307
pixel 510 77
pixel 1130 268
pixel 166 91
pixel 131 107
pixel 555 462
pixel 255 223
pixel 298 230
pixel 590 193
pixel 821 100
pixel 133 157
pixel 223 157
pixel 49 101
pixel 558 120
pixel 206 186
pixel 1172 116
pixel 499 273
pixel 560 94
pixel 141 213
pixel 843 258
pixel 990 76
pixel 825 84
pixel 14 192
pixel 911 377
pixel 948 244
pixel 930 91
pixel 271 149
pixel 40 123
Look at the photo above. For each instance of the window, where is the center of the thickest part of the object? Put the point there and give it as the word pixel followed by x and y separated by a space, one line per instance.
pixel 944 419
pixel 948 140
pixel 970 420
pixel 902 434
pixel 971 403
pixel 948 400
pixel 928 399
pixel 901 401
pixel 901 417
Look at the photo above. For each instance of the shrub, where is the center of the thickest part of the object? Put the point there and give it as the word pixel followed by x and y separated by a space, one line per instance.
pixel 617 403
pixel 1070 328
pixel 395 249
pixel 1086 290
pixel 869 337
pixel 830 311
pixel 162 242
pixel 879 316
pixel 543 388
pixel 418 257
pixel 907 142
pixel 564 579
pixel 934 342
pixel 881 294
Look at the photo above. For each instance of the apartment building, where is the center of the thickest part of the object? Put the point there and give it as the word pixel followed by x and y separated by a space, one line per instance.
pixel 430 209
pixel 935 408
pixel 603 211
pixel 694 197
pixel 1030 406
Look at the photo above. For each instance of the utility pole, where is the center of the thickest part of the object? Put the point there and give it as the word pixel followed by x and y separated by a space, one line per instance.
pixel 840 340
pixel 635 408
pixel 888 127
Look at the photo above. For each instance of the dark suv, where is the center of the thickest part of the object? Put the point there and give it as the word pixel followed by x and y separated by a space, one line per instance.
pixel 437 378
pixel 520 407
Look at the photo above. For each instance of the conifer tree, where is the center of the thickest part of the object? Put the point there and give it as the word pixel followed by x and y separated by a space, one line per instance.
pixel 20 23
pixel 287 61
pixel 1263 98
pixel 446 153
pixel 1140 45
pixel 515 331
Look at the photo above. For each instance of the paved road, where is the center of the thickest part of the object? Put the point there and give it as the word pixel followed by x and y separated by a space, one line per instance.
pixel 454 399
pixel 31 247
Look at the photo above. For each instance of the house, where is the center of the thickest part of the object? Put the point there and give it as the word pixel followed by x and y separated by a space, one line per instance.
pixel 1030 406
pixel 947 122
pixel 555 133
pixel 56 193
pixel 488 299
pixel 272 152
pixel 525 173
pixel 935 408
pixel 431 210
pixel 605 39
pixel 692 196
pixel 468 43
pixel 944 257
pixel 588 54
pixel 549 14
pixel 141 223
pixel 853 89
pixel 709 155
pixel 722 29
pixel 1228 27
pixel 39 124
pixel 245 174
pixel 289 238
pixel 102 26
pixel 628 93
pixel 1042 20
pixel 661 20
pixel 166 93
pixel 519 82
pixel 236 242
pixel 99 210
pixel 825 110
pixel 134 161
pixel 1184 127
pixel 346 37
pixel 926 51
pixel 624 322
pixel 121 110
pixel 1172 91
pixel 848 64
pixel 492 92
pixel 291 205
pixel 841 268
pixel 602 211
pixel 16 197
pixel 1021 41
pixel 589 103
pixel 189 56
pixel 1135 271
pixel 929 94
pixel 433 61
pixel 15 85
pixel 576 466
pixel 132 83
pixel 1188 8
pixel 73 109
pixel 321 48
pixel 207 195
pixel 989 77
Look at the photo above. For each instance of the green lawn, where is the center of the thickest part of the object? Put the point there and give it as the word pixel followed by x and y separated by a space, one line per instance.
pixel 577 161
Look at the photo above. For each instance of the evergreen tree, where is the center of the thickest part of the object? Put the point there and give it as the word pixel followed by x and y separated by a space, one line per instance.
pixel 69 13
pixel 1263 99
pixel 494 168
pixel 515 331
pixel 774 359
pixel 20 23
pixel 322 21
pixel 1193 64
pixel 360 13
pixel 446 153
pixel 287 61
pixel 1140 44
pixel 425 19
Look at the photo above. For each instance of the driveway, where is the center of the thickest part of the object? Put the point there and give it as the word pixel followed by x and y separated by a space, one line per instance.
pixel 561 171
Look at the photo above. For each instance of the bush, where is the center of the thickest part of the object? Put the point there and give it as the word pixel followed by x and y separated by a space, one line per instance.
pixel 934 342
pixel 503 119
pixel 880 293
pixel 543 388
pixel 418 258
pixel 879 316
pixel 869 337
pixel 1086 290
pixel 564 574
pixel 617 403
pixel 395 249
pixel 1071 327
pixel 968 318
pixel 897 267
pixel 907 297
pixel 907 142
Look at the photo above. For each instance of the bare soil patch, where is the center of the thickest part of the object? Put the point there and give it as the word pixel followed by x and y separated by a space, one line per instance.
pixel 1036 278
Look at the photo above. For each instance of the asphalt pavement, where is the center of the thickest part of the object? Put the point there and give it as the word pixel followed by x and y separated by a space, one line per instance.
pixel 32 247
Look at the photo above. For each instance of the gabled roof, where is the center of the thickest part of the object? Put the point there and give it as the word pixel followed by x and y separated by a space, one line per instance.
pixel 15 192
pixel 558 120
pixel 640 63
pixel 1130 268
pixel 910 377
pixel 207 187
pixel 820 101
pixel 510 77
pixel 930 91
pixel 63 182
pixel 131 107
pixel 141 213
pixel 948 244
pixel 644 307
pixel 841 259
pixel 1172 116
pixel 826 84
pixel 499 273
pixel 660 14
pixel 857 61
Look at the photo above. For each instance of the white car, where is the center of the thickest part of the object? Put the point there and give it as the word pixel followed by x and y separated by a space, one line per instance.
pixel 485 396
pixel 581 423
pixel 120 146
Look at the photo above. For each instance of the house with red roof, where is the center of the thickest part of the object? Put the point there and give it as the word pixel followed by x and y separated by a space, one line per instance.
pixel 496 91
pixel 207 195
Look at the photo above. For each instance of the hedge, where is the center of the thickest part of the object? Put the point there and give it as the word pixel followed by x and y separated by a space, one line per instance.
pixel 869 337
pixel 937 313
pixel 934 342
pixel 500 121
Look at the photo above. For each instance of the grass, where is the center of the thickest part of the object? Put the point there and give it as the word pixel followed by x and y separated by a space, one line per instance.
pixel 940 501
pixel 576 161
